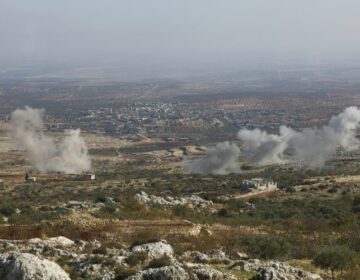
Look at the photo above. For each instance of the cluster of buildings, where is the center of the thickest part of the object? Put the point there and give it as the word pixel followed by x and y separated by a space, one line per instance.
pixel 166 119
pixel 152 119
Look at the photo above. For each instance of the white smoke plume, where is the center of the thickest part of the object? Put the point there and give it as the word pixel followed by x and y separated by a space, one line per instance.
pixel 312 147
pixel 221 159
pixel 68 155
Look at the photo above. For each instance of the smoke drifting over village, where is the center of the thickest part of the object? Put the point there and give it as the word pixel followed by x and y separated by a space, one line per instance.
pixel 68 155
pixel 310 147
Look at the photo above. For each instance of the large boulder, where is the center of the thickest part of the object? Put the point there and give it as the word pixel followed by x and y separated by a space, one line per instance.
pixel 24 266
pixel 172 272
pixel 59 241
pixel 142 197
pixel 155 250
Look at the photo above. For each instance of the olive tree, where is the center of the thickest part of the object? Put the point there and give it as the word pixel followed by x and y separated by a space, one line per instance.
pixel 333 258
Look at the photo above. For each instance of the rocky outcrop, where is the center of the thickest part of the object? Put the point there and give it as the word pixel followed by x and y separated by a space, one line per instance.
pixel 81 205
pixel 173 272
pixel 24 266
pixel 246 265
pixel 95 271
pixel 170 201
pixel 155 250
pixel 25 261
pixel 279 271
pixel 59 241
pixel 215 256
pixel 207 273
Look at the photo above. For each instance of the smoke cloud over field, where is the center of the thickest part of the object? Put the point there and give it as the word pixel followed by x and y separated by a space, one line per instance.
pixel 312 147
pixel 68 155
pixel 221 159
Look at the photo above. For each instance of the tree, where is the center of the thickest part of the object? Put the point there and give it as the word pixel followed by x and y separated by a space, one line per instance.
pixel 333 258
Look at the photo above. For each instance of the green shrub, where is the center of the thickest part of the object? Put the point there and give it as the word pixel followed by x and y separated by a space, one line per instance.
pixel 223 212
pixel 163 261
pixel 101 250
pixel 136 258
pixel 267 247
pixel 290 189
pixel 7 210
pixel 109 208
pixel 356 204
pixel 122 274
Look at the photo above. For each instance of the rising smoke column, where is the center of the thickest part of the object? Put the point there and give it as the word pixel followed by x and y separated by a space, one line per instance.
pixel 70 155
pixel 312 147
pixel 221 159
pixel 266 148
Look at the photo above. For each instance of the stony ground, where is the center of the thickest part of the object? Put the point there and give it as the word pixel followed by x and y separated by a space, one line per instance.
pixel 60 258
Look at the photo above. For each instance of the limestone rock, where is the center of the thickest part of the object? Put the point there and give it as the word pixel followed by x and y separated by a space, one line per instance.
pixel 155 250
pixel 24 266
pixel 59 241
pixel 207 273
pixel 281 271
pixel 173 272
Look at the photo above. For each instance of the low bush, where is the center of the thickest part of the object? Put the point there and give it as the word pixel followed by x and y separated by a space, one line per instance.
pixel 163 261
pixel 267 247
pixel 7 209
pixel 136 258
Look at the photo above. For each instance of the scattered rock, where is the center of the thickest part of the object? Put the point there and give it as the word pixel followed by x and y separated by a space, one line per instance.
pixel 95 271
pixel 170 201
pixel 25 261
pixel 281 271
pixel 215 256
pixel 249 265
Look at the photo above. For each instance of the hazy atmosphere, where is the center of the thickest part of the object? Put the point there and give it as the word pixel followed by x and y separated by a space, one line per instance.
pixel 168 32
pixel 179 140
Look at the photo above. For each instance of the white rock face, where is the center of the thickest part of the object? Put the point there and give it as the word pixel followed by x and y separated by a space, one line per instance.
pixel 155 250
pixel 24 266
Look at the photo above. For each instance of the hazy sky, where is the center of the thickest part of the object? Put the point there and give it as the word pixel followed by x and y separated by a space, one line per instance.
pixel 113 31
